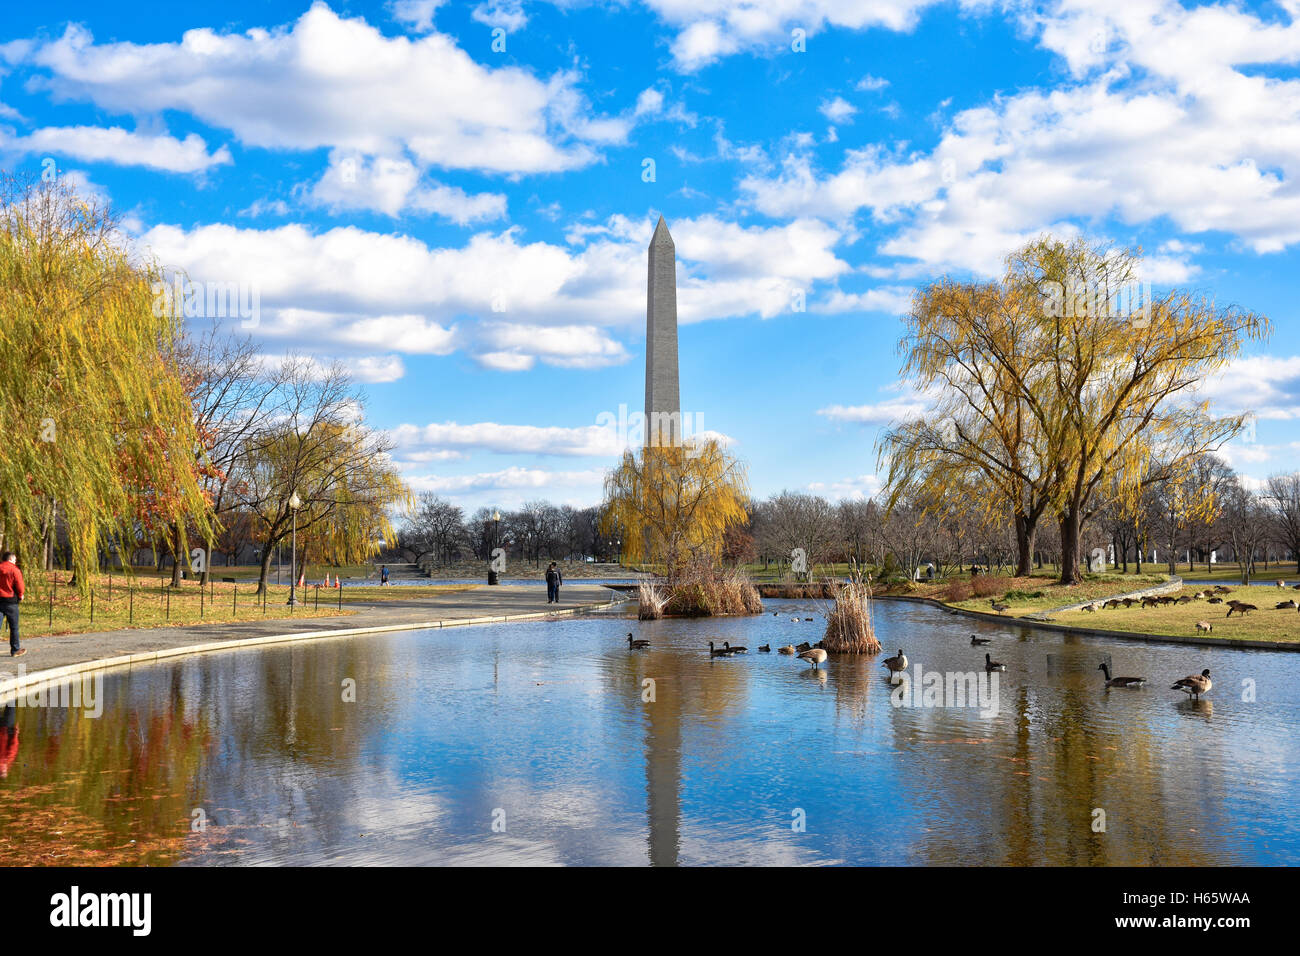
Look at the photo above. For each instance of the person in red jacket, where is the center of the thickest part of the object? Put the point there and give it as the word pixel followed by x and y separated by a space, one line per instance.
pixel 11 592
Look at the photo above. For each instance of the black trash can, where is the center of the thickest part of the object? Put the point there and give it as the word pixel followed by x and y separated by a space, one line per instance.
pixel 493 577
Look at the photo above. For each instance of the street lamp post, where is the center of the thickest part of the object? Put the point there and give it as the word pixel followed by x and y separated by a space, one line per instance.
pixel 294 504
pixel 493 577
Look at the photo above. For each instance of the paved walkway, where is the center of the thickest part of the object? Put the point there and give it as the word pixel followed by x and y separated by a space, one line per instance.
pixel 57 656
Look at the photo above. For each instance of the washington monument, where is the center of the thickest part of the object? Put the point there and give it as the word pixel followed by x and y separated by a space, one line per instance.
pixel 662 399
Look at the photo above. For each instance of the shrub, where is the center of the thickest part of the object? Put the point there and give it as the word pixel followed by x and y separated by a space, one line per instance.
pixel 958 591
pixel 983 585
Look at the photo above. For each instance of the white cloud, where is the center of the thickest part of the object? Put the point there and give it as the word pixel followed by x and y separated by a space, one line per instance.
pixel 394 186
pixel 710 29
pixel 326 81
pixel 1267 385
pixel 870 84
pixel 508 301
pixel 590 440
pixel 528 480
pixel 861 487
pixel 878 413
pixel 418 14
pixel 1160 126
pixel 507 14
pixel 838 110
pixel 95 144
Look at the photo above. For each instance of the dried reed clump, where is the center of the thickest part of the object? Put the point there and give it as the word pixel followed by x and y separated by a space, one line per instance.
pixel 987 586
pixel 703 590
pixel 848 625
pixel 651 602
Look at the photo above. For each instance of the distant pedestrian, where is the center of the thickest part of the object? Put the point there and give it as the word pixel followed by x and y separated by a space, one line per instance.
pixel 11 593
pixel 553 581
pixel 383 575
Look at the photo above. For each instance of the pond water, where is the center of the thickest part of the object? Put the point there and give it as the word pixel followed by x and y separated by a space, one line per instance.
pixel 531 743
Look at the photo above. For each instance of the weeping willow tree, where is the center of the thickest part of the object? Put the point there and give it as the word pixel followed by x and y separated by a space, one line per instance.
pixel 1060 386
pixel 674 504
pixel 97 424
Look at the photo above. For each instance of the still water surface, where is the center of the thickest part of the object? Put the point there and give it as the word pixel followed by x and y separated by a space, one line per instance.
pixel 540 728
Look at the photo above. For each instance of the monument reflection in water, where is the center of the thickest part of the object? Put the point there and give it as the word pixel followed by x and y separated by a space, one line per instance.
pixel 533 743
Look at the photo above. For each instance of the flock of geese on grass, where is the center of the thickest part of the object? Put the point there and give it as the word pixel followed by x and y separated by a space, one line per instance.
pixel 1194 685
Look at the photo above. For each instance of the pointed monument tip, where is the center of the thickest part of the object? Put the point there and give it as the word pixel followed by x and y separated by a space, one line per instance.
pixel 661 232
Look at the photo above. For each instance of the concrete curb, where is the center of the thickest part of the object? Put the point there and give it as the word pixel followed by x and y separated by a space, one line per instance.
pixel 15 685
pixel 1095 632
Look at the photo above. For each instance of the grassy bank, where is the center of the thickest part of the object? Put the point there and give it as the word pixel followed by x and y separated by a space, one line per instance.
pixel 116 601
pixel 1179 620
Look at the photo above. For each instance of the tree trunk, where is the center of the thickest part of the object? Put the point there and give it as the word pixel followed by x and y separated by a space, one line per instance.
pixel 1025 532
pixel 267 553
pixel 1070 548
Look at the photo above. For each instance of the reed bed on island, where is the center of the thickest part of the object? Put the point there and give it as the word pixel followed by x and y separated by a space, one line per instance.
pixel 848 623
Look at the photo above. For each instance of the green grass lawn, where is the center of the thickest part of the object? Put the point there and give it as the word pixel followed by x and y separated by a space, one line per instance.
pixel 1266 624
pixel 120 601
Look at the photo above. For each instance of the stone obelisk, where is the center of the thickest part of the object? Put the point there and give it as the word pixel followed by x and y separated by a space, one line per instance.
pixel 662 399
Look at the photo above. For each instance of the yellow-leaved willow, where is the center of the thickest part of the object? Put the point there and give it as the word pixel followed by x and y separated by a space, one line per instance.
pixel 97 425
pixel 1061 388
pixel 673 504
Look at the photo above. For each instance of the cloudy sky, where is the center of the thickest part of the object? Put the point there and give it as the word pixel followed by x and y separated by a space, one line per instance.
pixel 455 198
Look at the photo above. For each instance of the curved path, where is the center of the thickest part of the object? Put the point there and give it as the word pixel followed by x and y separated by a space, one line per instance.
pixel 59 656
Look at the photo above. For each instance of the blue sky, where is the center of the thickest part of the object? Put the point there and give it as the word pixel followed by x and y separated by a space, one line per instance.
pixel 466 226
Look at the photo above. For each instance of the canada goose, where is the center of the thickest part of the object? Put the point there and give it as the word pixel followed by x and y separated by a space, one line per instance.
pixel 637 644
pixel 1185 599
pixel 1240 607
pixel 991 665
pixel 1112 603
pixel 896 664
pixel 805 646
pixel 1119 681
pixel 1196 685
pixel 977 641
pixel 788 649
pixel 795 619
pixel 1214 601
pixel 1127 602
pixel 1220 589
pixel 815 656
pixel 765 648
pixel 998 607
pixel 1281 584
pixel 735 650
pixel 1204 627
pixel 807 619
pixel 718 652
pixel 1287 606
pixel 1091 608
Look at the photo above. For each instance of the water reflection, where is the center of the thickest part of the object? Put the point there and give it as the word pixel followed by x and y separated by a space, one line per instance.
pixel 543 743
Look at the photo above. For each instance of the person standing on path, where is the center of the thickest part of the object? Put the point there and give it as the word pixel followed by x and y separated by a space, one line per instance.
pixel 383 575
pixel 553 581
pixel 11 592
